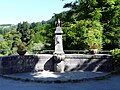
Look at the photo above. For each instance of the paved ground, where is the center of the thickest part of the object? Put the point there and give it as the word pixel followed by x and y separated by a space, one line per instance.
pixel 112 83
pixel 47 76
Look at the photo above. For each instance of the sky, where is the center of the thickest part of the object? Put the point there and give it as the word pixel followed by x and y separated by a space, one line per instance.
pixel 16 11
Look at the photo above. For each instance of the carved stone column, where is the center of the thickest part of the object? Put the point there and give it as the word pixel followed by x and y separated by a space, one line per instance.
pixel 58 54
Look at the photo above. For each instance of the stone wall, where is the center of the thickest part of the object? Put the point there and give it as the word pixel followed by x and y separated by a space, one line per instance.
pixel 73 62
pixel 15 64
pixel 95 62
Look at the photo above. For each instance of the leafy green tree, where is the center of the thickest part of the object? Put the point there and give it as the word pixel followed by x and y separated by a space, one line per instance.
pixel 106 12
pixel 24 29
pixel 42 34
pixel 34 25
pixel 111 21
pixel 12 38
pixel 83 34
pixel 83 27
pixel 4 48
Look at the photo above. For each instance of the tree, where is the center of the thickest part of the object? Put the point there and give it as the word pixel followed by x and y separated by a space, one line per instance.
pixel 106 12
pixel 24 29
pixel 12 38
pixel 111 21
pixel 83 34
pixel 4 48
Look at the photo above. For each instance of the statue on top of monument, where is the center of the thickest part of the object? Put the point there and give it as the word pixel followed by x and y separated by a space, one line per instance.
pixel 58 23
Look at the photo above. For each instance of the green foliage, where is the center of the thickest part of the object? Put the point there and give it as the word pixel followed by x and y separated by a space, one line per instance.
pixel 38 46
pixel 4 28
pixel 111 21
pixel 115 52
pixel 116 56
pixel 106 12
pixel 83 34
pixel 32 35
pixel 12 38
pixel 4 48
pixel 93 34
pixel 41 34
pixel 25 31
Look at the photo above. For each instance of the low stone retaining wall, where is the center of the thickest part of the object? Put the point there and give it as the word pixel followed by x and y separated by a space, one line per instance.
pixel 73 62
pixel 95 62
pixel 16 63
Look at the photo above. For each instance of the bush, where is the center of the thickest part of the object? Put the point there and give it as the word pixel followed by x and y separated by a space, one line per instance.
pixel 116 58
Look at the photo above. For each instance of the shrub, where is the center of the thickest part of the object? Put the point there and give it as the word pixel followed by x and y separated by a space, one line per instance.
pixel 116 57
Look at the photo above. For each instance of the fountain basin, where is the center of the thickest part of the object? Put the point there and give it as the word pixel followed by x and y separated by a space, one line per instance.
pixel 40 62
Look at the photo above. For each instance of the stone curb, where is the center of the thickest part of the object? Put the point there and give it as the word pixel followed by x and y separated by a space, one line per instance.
pixel 103 77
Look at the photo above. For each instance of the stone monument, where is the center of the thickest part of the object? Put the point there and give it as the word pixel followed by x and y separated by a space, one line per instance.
pixel 58 54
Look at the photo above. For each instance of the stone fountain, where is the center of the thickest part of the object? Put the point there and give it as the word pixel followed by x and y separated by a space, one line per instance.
pixel 57 67
pixel 56 62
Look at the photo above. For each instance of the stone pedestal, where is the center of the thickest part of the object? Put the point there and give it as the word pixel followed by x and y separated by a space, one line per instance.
pixel 58 41
pixel 58 55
